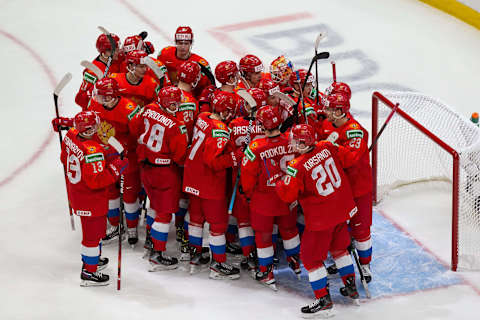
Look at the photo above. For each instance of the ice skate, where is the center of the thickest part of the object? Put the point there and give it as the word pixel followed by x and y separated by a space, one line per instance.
pixel 367 273
pixel 112 235
pixel 222 270
pixel 148 246
pixel 160 262
pixel 233 248
pixel 250 263
pixel 320 308
pixel 197 263
pixel 179 233
pixel 267 278
pixel 132 234
pixel 294 264
pixel 184 249
pixel 102 263
pixel 93 279
pixel 350 290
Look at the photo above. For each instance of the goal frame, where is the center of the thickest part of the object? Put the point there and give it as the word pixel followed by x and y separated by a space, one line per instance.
pixel 377 98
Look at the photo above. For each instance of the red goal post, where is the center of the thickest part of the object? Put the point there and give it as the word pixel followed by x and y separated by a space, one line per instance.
pixel 427 141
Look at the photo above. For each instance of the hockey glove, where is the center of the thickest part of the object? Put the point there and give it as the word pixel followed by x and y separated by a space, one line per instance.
pixel 62 123
pixel 117 166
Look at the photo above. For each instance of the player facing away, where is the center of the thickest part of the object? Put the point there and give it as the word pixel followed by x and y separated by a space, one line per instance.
pixel 104 49
pixel 354 137
pixel 316 179
pixel 264 160
pixel 174 56
pixel 89 174
pixel 205 179
pixel 115 114
pixel 162 146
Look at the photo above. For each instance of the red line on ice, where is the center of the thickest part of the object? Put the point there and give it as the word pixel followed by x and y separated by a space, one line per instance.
pixel 53 81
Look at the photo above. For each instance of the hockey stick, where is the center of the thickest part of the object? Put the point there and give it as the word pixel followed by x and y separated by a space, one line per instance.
pixel 253 104
pixel 301 96
pixel 90 66
pixel 383 126
pixel 285 98
pixel 206 71
pixel 319 38
pixel 56 92
pixel 334 72
pixel 118 146
pixel 114 48
pixel 155 68
pixel 294 118
pixel 353 251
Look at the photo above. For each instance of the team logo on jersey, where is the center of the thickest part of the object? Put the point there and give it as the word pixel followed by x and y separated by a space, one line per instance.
pixel 105 131
pixel 253 145
pixel 92 149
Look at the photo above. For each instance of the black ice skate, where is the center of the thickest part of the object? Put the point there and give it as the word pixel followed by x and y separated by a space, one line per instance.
pixel 148 245
pixel 233 248
pixel 179 233
pixel 184 248
pixel 367 273
pixel 322 307
pixel 160 262
pixel 92 279
pixel 350 290
pixel 250 263
pixel 197 262
pixel 112 234
pixel 267 278
pixel 132 234
pixel 102 263
pixel 294 264
pixel 222 270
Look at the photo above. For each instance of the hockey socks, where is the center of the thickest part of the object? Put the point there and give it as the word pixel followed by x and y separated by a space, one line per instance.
pixel 345 266
pixel 364 249
pixel 247 239
pixel 159 234
pixel 90 257
pixel 318 280
pixel 217 246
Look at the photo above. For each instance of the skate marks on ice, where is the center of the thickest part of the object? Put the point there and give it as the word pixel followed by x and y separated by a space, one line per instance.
pixel 400 266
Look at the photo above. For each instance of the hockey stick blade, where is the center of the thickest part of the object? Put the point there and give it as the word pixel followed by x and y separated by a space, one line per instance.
pixel 143 35
pixel 319 38
pixel 104 31
pixel 285 98
pixel 90 66
pixel 116 144
pixel 321 55
pixel 247 97
pixel 155 68
pixel 66 79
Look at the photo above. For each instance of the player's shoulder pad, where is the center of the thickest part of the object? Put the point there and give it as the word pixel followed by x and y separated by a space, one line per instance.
pixel 252 149
pixel 167 51
pixel 292 167
pixel 94 152
pixel 200 60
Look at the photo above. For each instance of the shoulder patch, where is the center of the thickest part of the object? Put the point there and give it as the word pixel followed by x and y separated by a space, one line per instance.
pixel 134 112
pixel 89 77
pixel 94 157
pixel 292 171
pixel 219 133
pixel 249 154
pixel 187 106
pixel 354 134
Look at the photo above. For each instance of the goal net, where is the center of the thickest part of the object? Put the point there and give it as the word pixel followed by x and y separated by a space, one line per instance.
pixel 426 140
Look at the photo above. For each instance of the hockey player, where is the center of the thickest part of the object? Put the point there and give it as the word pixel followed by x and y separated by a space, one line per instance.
pixel 251 69
pixel 271 89
pixel 115 113
pixel 280 71
pixel 243 130
pixel 174 56
pixel 104 49
pixel 354 137
pixel 265 159
pixel 88 177
pixel 162 146
pixel 205 179
pixel 135 84
pixel 316 179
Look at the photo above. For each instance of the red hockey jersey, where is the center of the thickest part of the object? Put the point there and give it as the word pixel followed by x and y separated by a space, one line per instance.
pixel 188 112
pixel 355 138
pixel 316 179
pixel 210 154
pixel 87 175
pixel 142 93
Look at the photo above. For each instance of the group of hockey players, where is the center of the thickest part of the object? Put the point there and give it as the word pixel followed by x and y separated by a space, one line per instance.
pixel 195 149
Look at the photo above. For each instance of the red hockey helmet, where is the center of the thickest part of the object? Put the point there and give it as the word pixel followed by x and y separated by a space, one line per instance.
pixel 250 63
pixel 339 87
pixel 169 98
pixel 302 133
pixel 106 87
pixel 132 43
pixel 225 70
pixel 268 86
pixel 259 96
pixel 103 44
pixel 86 122
pixel 298 77
pixel 281 69
pixel 206 95
pixel 224 104
pixel 337 101
pixel 136 57
pixel 189 72
pixel 269 117
pixel 184 33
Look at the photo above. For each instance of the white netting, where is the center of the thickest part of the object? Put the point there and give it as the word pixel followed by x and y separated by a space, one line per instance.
pixel 406 155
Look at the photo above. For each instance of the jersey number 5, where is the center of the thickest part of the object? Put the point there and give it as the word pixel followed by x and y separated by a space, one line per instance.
pixel 321 172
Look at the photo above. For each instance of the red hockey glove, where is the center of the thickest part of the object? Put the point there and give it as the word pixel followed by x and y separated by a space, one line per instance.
pixel 62 123
pixel 117 166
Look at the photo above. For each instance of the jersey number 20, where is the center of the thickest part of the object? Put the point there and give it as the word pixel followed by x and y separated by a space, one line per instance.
pixel 327 177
